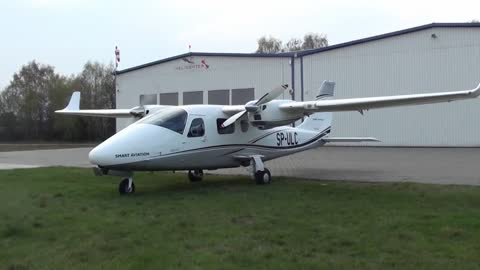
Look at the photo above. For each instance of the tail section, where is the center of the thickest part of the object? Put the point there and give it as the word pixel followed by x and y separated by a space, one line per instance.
pixel 320 121
pixel 326 90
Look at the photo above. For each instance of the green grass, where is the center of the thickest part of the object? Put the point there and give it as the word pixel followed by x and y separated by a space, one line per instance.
pixel 65 218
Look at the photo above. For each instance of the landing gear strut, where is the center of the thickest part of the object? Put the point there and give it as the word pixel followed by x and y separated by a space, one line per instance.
pixel 261 174
pixel 195 175
pixel 126 186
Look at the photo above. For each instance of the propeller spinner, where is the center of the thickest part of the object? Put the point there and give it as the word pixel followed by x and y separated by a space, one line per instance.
pixel 254 106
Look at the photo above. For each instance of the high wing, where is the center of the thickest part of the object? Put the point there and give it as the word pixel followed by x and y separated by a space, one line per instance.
pixel 115 113
pixel 73 108
pixel 360 104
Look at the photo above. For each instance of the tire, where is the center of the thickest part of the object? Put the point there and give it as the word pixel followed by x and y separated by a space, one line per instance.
pixel 263 177
pixel 123 187
pixel 195 176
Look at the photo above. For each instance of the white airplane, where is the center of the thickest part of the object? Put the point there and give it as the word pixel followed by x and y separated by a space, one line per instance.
pixel 199 137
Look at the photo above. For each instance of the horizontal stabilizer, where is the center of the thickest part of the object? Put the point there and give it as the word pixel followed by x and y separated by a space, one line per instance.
pixel 350 139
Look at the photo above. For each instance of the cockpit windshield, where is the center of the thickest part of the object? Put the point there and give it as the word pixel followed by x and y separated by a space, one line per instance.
pixel 171 118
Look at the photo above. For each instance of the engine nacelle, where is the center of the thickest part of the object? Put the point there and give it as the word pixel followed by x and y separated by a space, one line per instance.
pixel 269 115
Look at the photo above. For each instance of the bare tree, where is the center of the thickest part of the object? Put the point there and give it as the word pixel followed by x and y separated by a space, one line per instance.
pixel 98 91
pixel 310 41
pixel 27 98
pixel 269 45
pixel 293 45
pixel 314 40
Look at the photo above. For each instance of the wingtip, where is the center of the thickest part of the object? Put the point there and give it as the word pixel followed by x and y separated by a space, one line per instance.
pixel 476 91
pixel 74 103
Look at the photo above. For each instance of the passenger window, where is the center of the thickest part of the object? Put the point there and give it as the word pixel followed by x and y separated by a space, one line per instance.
pixel 197 128
pixel 224 130
pixel 244 125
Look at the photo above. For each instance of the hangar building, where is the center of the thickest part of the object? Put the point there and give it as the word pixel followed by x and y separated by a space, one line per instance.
pixel 427 58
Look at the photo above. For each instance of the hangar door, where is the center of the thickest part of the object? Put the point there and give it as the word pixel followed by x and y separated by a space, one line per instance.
pixel 194 97
pixel 219 97
pixel 148 99
pixel 169 99
pixel 242 96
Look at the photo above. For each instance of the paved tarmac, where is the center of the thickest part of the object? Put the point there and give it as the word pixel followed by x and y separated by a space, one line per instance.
pixel 369 164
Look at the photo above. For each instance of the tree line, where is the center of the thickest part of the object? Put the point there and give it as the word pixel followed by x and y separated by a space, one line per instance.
pixel 28 103
pixel 275 45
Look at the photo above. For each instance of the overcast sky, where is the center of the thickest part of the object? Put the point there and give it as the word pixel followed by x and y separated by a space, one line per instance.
pixel 66 34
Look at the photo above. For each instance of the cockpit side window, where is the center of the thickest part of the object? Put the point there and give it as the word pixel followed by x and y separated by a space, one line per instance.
pixel 174 119
pixel 197 128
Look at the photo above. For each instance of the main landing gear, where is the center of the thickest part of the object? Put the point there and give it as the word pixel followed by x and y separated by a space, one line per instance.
pixel 261 174
pixel 126 186
pixel 195 175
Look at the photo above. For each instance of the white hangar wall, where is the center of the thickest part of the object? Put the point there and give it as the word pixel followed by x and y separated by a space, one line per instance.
pixel 435 59
pixel 223 73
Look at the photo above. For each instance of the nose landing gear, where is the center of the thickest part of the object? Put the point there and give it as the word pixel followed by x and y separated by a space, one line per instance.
pixel 261 174
pixel 195 175
pixel 126 186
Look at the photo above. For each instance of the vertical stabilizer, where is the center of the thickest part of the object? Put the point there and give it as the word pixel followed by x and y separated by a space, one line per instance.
pixel 326 90
pixel 320 121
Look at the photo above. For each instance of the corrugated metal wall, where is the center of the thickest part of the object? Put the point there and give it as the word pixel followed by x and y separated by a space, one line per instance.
pixel 410 63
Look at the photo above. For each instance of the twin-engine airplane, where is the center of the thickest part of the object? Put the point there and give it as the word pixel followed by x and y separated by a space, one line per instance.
pixel 199 137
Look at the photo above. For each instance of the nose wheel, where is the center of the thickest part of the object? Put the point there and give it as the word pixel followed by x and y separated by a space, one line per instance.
pixel 126 186
pixel 263 177
pixel 195 175
pixel 261 174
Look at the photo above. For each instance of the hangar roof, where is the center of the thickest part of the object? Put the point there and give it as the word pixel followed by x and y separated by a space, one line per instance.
pixel 307 52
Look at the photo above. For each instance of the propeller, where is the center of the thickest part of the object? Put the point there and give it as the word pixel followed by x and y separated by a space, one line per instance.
pixel 254 106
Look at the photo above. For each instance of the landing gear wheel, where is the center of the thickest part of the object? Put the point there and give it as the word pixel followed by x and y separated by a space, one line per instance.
pixel 126 186
pixel 263 177
pixel 196 175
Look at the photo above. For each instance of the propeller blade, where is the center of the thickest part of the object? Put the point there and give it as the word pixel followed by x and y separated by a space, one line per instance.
pixel 233 118
pixel 274 93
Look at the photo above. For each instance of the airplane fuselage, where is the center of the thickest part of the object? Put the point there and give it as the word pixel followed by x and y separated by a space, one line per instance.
pixel 191 137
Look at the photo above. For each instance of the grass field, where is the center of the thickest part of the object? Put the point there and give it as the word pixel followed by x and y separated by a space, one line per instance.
pixel 8 147
pixel 62 218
